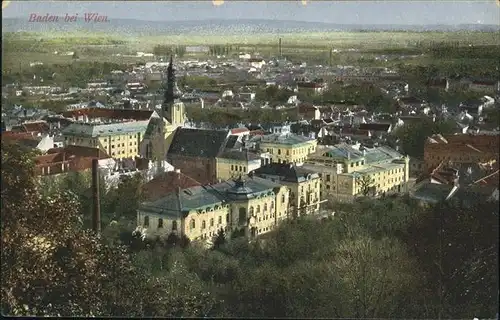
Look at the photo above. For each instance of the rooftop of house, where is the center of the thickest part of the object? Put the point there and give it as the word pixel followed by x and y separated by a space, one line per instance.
pixel 197 143
pixel 474 142
pixel 166 183
pixel 286 172
pixel 370 155
pixel 79 151
pixel 207 197
pixel 287 139
pixel 96 130
pixel 375 126
pixel 241 155
pixel 110 113
pixel 33 126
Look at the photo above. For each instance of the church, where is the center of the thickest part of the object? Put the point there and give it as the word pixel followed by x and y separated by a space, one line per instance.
pixel 163 123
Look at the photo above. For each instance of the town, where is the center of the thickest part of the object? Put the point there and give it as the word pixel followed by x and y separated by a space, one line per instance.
pixel 228 154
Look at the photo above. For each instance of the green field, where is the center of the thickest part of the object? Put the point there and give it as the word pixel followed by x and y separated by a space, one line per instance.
pixel 22 48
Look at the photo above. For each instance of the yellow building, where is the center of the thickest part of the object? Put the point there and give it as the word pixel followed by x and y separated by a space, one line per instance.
pixel 304 185
pixel 252 206
pixel 119 140
pixel 348 171
pixel 285 148
pixel 151 146
pixel 233 163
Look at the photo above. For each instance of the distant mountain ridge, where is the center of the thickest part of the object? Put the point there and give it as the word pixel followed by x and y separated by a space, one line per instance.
pixel 219 26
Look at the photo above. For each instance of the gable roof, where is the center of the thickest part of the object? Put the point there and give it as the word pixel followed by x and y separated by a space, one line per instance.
pixel 197 142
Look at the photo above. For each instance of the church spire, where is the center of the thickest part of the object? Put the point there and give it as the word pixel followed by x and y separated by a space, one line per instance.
pixel 169 90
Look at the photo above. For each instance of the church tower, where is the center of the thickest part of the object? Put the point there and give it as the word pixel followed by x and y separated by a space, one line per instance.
pixel 173 108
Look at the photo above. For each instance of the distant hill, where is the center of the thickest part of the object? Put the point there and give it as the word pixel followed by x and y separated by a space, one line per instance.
pixel 221 27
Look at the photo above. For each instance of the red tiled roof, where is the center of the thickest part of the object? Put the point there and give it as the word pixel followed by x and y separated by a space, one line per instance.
pixel 36 126
pixel 166 183
pixel 257 132
pixel 239 130
pixel 12 135
pixel 110 113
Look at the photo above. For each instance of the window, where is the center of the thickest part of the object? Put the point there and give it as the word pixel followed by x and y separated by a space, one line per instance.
pixel 258 208
pixel 174 225
pixel 279 151
pixel 220 220
pixel 227 218
pixel 265 207
pixel 146 221
pixel 327 177
pixel 211 222
pixel 232 167
pixel 160 223
pixel 282 198
pixel 203 224
pixel 250 211
pixel 242 216
pixel 193 224
pixel 287 152
pixel 352 164
pixel 241 168
pixel 272 206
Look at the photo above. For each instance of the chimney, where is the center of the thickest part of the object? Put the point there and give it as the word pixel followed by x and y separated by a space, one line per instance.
pixel 96 212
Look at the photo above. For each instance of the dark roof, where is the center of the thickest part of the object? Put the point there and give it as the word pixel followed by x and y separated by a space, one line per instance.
pixel 285 172
pixel 243 155
pixel 375 126
pixel 231 141
pixel 197 142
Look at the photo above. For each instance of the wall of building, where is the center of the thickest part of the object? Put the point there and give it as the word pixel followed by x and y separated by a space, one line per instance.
pixel 200 169
pixel 289 153
pixel 231 168
pixel 117 146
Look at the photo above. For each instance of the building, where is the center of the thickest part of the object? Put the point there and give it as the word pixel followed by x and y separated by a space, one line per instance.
pixel 348 171
pixel 58 161
pixel 119 140
pixel 252 207
pixel 194 152
pixel 30 140
pixel 460 148
pixel 304 185
pixel 285 147
pixel 166 183
pixel 311 87
pixel 308 112
pixel 232 163
pixel 489 86
pixel 161 127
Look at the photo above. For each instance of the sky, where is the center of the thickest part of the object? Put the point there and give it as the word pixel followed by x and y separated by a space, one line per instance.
pixel 410 12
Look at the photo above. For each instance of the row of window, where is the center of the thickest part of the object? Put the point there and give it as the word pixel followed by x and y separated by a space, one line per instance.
pixel 241 168
pixel 192 224
pixel 294 151
pixel 160 223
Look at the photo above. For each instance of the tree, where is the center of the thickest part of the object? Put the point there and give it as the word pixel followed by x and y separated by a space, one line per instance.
pixel 455 247
pixel 220 240
pixel 374 285
pixel 365 184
